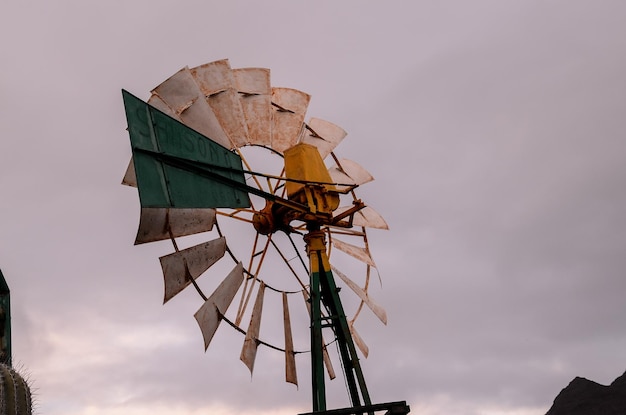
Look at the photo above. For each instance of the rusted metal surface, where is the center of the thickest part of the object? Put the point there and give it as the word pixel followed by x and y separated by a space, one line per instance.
pixel 208 316
pixel 157 224
pixel 179 268
pixel 183 96
pixel 376 309
pixel 288 117
pixel 255 94
pixel 291 375
pixel 324 135
pixel 250 344
pixel 217 83
pixel 362 254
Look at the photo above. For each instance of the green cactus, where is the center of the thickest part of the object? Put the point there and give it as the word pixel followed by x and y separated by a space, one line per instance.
pixel 15 397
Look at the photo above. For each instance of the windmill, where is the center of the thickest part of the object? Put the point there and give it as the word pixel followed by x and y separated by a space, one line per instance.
pixel 195 145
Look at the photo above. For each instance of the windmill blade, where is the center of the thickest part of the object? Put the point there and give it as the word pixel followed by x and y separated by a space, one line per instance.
pixel 208 316
pixel 157 224
pixel 159 104
pixel 359 341
pixel 255 94
pixel 251 344
pixel 217 83
pixel 324 135
pixel 327 362
pixel 181 267
pixel 130 179
pixel 366 217
pixel 349 171
pixel 288 117
pixel 376 309
pixel 291 375
pixel 362 254
pixel 184 97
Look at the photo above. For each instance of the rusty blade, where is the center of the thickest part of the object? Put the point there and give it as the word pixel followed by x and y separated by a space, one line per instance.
pixel 208 316
pixel 130 178
pixel 255 94
pixel 359 341
pixel 251 344
pixel 349 171
pixel 327 362
pixel 362 254
pixel 179 268
pixel 291 375
pixel 376 309
pixel 183 95
pixel 157 224
pixel 324 135
pixel 159 104
pixel 288 117
pixel 366 217
pixel 217 83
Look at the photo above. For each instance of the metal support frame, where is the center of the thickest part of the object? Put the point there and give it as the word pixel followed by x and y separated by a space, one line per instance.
pixel 324 293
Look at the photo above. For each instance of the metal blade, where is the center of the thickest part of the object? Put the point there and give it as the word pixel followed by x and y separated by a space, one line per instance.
pixel 208 316
pixel 255 94
pixel 159 104
pixel 181 267
pixel 157 224
pixel 362 254
pixel 183 95
pixel 250 344
pixel 291 375
pixel 366 217
pixel 359 341
pixel 327 362
pixel 376 309
pixel 130 179
pixel 349 171
pixel 288 117
pixel 217 83
pixel 324 135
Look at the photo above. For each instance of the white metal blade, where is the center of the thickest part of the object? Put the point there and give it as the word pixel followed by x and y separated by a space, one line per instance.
pixel 376 309
pixel 288 117
pixel 325 136
pixel 291 375
pixel 255 94
pixel 362 254
pixel 157 224
pixel 180 267
pixel 207 316
pixel 250 344
pixel 366 217
pixel 159 104
pixel 350 171
pixel 130 178
pixel 183 95
pixel 359 341
pixel 217 83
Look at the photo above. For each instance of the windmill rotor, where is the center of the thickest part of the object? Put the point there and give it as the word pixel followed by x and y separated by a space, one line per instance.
pixel 218 149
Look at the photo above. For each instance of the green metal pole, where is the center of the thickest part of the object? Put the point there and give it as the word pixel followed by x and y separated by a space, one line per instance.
pixel 5 322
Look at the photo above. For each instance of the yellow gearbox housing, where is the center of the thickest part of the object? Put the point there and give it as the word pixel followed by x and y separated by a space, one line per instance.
pixel 308 180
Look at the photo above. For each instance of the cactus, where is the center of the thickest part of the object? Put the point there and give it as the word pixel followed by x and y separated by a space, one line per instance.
pixel 15 397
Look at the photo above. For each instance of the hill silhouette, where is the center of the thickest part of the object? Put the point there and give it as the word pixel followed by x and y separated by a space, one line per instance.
pixel 585 397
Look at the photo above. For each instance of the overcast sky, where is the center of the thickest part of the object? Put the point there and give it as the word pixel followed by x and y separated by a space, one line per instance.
pixel 494 129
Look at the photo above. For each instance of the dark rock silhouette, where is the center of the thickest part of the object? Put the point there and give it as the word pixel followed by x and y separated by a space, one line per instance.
pixel 585 397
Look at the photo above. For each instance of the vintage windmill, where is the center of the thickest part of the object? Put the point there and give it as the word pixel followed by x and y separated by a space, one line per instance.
pixel 195 145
